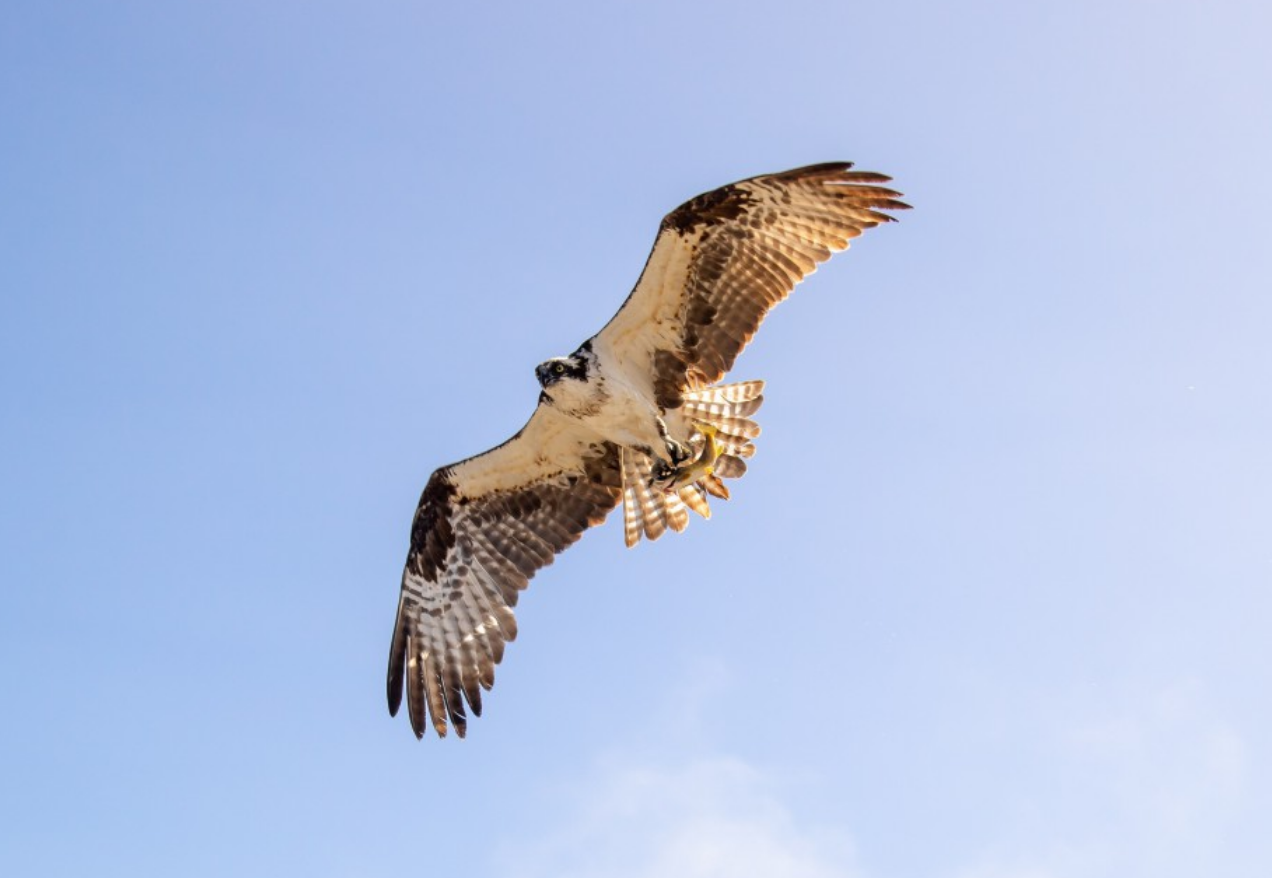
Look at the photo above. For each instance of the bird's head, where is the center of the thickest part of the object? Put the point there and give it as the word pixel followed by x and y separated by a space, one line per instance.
pixel 575 367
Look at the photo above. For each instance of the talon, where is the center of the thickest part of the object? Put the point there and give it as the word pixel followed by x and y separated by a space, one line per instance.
pixel 678 452
pixel 701 468
pixel 662 472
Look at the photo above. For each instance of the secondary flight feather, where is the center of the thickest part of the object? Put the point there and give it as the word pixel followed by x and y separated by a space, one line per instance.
pixel 636 415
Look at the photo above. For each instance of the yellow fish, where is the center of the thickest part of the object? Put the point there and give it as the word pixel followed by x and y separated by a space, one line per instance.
pixel 702 467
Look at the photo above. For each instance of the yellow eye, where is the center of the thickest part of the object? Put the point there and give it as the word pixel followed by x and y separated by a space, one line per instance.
pixel 558 369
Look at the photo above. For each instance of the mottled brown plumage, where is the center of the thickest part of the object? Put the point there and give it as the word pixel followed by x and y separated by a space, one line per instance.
pixel 607 416
pixel 724 259
pixel 483 528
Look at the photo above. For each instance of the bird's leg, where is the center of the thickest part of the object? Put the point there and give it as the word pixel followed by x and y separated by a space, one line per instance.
pixel 667 466
pixel 689 462
pixel 677 453
pixel 702 466
pixel 661 473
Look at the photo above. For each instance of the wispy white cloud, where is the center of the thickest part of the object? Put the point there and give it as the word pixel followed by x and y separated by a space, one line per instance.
pixel 1145 781
pixel 711 818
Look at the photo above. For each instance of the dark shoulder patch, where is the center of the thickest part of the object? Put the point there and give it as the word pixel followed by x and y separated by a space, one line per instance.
pixel 431 533
pixel 669 378
pixel 710 209
pixel 603 469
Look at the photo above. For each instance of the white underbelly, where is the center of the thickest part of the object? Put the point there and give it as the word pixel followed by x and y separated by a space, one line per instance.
pixel 627 419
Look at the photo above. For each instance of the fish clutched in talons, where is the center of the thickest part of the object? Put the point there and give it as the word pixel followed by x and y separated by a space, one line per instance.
pixel 701 466
pixel 659 493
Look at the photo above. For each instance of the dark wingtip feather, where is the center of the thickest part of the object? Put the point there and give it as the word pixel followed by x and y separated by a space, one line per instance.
pixel 867 177
pixel 472 691
pixel 454 700
pixel 395 691
pixel 415 689
pixel 397 663
pixel 815 170
pixel 876 210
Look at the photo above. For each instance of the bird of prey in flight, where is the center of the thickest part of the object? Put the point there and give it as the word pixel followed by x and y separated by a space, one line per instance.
pixel 636 415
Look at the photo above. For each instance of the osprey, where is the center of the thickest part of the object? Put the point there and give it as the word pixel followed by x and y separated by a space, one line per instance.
pixel 636 414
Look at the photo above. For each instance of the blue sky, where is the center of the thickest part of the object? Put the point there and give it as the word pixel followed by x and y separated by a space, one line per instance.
pixel 993 601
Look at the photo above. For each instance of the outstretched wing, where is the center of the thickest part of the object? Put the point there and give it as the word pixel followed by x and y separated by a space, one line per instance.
pixel 723 259
pixel 482 529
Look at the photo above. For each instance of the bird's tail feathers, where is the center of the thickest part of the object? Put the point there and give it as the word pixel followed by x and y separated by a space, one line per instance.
pixel 720 414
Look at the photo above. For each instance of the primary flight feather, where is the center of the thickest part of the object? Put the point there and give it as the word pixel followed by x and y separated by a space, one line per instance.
pixel 636 415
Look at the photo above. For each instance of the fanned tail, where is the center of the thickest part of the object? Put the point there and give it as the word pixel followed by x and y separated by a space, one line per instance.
pixel 720 414
pixel 647 510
